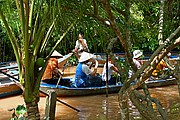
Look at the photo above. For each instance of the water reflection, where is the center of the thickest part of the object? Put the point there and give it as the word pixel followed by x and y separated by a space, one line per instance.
pixel 100 107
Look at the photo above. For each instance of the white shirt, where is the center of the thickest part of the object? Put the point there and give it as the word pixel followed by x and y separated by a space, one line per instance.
pixel 137 63
pixel 86 69
pixel 79 46
pixel 110 71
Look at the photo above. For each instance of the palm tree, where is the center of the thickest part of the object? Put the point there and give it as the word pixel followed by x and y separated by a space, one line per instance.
pixel 37 22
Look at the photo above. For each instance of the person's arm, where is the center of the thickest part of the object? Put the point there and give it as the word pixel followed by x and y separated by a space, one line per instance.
pixel 76 47
pixel 95 68
pixel 83 42
pixel 94 63
pixel 55 67
pixel 94 72
pixel 114 68
pixel 57 71
pixel 88 71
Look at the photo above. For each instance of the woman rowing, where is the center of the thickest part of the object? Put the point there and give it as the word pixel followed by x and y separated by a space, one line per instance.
pixel 52 68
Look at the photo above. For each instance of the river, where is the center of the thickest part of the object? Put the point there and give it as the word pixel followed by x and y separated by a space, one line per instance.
pixel 98 107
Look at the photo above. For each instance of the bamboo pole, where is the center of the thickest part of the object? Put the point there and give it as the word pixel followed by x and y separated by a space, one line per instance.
pixel 106 75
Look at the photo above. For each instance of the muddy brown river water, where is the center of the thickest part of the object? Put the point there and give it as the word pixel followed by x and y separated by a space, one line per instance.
pixel 98 107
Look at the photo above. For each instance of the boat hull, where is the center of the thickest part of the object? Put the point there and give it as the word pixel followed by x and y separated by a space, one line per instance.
pixel 63 91
pixel 7 90
pixel 7 86
pixel 81 91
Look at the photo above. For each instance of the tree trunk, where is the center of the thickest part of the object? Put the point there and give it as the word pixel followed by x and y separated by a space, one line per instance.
pixel 124 107
pixel 33 111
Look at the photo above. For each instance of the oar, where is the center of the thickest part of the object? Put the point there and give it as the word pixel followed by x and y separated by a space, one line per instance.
pixel 60 77
pixel 15 81
pixel 70 54
pixel 58 81
pixel 61 102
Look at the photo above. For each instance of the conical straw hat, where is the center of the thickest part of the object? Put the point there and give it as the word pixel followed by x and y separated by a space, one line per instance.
pixel 56 54
pixel 85 56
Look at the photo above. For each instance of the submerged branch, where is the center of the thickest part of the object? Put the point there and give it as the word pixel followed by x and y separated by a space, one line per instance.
pixel 136 96
pixel 137 99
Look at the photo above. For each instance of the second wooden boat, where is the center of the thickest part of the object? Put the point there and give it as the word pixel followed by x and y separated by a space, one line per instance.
pixel 7 86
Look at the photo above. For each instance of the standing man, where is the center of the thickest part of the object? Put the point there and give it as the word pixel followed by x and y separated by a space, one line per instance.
pixel 81 45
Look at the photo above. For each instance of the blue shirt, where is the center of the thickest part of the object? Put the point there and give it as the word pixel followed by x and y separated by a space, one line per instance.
pixel 80 76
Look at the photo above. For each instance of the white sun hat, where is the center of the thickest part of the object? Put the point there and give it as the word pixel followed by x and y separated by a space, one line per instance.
pixel 56 54
pixel 169 54
pixel 137 53
pixel 85 56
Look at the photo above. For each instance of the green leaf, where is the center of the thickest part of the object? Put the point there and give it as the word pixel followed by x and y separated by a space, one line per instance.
pixel 20 109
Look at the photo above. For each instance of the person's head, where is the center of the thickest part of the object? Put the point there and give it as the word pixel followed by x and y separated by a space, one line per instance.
pixel 80 36
pixel 169 55
pixel 56 54
pixel 85 57
pixel 110 58
pixel 137 54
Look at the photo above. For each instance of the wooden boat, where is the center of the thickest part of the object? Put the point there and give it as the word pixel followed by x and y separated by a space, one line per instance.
pixel 69 91
pixel 101 57
pixel 7 86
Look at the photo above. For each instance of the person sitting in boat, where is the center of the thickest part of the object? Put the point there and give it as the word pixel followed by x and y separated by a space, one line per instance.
pixel 52 68
pixel 160 68
pixel 164 68
pixel 111 69
pixel 136 59
pixel 81 45
pixel 84 76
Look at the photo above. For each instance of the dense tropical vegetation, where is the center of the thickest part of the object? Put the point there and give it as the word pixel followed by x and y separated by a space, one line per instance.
pixel 37 27
pixel 144 26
